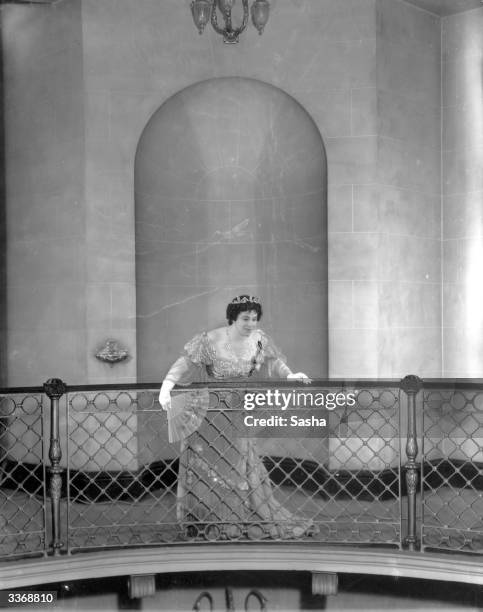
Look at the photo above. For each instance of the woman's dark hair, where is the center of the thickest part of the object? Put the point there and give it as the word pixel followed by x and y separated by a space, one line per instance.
pixel 243 303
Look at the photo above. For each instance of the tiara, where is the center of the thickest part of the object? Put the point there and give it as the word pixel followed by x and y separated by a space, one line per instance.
pixel 244 299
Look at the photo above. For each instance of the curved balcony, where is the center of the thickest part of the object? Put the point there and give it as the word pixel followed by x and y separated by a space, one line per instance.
pixel 394 484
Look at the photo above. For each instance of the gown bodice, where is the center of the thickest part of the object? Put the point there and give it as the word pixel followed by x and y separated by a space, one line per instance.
pixel 229 369
pixel 203 360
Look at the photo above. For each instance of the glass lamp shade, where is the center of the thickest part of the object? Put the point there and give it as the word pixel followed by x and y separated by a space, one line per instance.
pixel 201 11
pixel 225 5
pixel 260 13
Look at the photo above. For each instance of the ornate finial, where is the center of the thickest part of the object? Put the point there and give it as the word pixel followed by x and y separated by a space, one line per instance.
pixel 112 352
pixel 55 388
pixel 411 383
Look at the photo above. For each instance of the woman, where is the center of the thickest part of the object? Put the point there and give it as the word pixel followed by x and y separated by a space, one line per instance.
pixel 224 490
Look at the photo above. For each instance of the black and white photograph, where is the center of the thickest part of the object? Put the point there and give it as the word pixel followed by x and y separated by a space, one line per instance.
pixel 241 305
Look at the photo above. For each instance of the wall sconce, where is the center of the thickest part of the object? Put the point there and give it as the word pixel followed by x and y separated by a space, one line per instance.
pixel 112 352
pixel 206 10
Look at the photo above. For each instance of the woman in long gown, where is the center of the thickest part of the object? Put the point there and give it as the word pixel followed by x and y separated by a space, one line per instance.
pixel 224 491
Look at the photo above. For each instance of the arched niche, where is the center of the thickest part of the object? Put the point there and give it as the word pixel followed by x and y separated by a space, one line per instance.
pixel 230 197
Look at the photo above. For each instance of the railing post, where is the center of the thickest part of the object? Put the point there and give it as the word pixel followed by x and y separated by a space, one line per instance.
pixel 411 385
pixel 55 388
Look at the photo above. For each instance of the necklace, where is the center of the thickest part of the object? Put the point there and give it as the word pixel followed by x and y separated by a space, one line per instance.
pixel 247 351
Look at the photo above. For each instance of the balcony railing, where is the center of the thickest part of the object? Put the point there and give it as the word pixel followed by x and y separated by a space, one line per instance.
pixel 90 468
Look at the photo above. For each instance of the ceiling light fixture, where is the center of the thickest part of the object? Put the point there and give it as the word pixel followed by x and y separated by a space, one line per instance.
pixel 207 10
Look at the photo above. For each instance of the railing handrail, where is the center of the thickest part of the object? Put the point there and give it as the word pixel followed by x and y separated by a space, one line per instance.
pixel 453 383
pixel 427 383
pixel 17 390
pixel 269 382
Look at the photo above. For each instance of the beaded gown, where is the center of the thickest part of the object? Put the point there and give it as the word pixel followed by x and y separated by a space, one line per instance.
pixel 224 490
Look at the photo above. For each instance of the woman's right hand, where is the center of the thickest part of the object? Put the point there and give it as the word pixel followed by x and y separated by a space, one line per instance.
pixel 165 395
pixel 165 400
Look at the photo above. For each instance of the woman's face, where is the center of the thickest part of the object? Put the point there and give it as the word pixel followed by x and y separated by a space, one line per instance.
pixel 246 322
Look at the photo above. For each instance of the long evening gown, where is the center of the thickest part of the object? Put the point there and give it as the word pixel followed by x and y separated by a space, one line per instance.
pixel 224 490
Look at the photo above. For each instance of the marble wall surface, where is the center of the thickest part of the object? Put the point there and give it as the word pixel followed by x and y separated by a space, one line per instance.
pixel 230 198
pixel 44 194
pixel 462 187
pixel 384 246
pixel 406 206
pixel 3 249
pixel 83 78
pixel 136 56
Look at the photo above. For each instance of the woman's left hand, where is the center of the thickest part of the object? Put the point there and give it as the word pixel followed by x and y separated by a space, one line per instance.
pixel 301 377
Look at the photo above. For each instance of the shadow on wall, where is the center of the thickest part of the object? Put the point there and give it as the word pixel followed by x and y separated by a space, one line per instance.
pixel 230 197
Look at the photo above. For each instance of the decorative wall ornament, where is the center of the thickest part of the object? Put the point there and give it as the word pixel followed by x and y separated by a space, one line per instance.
pixel 112 352
pixel 207 10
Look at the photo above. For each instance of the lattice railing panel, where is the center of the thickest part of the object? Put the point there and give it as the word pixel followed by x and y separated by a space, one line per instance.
pixel 453 470
pixel 123 475
pixel 22 476
pixel 350 482
pixel 121 478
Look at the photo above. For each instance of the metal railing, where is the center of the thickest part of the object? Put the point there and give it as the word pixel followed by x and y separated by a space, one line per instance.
pixel 87 468
pixel 452 466
pixel 23 494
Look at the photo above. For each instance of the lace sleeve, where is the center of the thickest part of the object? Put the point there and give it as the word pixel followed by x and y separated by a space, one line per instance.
pixel 275 359
pixel 190 367
pixel 199 350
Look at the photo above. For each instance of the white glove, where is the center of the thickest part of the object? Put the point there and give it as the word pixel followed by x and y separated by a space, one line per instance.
pixel 165 395
pixel 301 377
